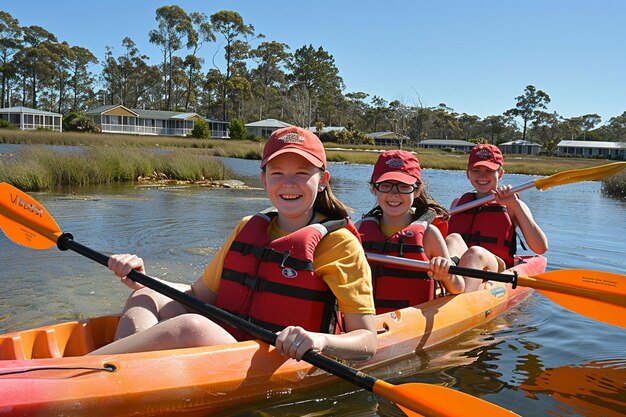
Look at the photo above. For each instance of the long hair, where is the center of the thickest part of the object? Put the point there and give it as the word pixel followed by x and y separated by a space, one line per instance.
pixel 326 203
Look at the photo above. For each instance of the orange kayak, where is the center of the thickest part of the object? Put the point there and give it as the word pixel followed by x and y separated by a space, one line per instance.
pixel 44 371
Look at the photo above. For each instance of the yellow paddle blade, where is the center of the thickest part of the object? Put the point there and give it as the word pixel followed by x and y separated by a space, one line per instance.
pixel 25 221
pixel 428 400
pixel 578 175
pixel 595 294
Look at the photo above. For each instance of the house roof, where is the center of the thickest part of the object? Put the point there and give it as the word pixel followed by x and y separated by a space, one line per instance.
pixel 385 135
pixel 446 142
pixel 591 144
pixel 327 129
pixel 268 123
pixel 519 142
pixel 146 114
pixel 22 109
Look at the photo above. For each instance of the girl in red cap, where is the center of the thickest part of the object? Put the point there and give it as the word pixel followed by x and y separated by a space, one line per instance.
pixel 490 230
pixel 401 225
pixel 298 269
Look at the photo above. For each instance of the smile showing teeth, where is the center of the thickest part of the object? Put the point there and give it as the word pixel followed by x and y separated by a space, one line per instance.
pixel 289 196
pixel 393 204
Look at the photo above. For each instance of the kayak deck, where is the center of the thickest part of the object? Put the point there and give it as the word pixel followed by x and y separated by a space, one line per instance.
pixel 44 371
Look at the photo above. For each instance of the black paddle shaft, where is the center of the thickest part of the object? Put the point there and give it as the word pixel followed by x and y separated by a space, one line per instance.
pixel 66 241
pixel 488 275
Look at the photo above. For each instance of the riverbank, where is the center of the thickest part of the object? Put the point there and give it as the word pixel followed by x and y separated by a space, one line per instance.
pixel 186 159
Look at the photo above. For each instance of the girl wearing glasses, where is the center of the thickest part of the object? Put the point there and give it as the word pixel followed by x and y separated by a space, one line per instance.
pixel 401 225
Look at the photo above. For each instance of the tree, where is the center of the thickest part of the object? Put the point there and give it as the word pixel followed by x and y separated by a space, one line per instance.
pixel 269 77
pixel 202 32
pixel 528 105
pixel 547 128
pixel 237 129
pixel 81 80
pixel 10 43
pixel 201 130
pixel 35 62
pixel 315 70
pixel 231 26
pixel 174 26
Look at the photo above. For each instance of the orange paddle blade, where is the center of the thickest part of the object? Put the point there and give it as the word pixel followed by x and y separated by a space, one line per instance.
pixel 435 401
pixel 595 294
pixel 25 221
pixel 578 175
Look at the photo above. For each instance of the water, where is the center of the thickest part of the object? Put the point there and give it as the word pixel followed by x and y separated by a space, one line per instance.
pixel 530 361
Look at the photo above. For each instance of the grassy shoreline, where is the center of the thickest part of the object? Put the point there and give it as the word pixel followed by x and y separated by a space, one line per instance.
pixel 38 168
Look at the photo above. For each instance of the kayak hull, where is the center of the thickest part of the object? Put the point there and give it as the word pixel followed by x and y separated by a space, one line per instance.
pixel 44 371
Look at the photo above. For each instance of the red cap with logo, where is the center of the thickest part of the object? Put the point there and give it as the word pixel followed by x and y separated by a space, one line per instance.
pixel 296 140
pixel 486 155
pixel 397 165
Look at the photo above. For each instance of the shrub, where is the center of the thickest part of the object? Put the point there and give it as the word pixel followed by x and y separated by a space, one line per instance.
pixel 6 125
pixel 201 130
pixel 79 122
pixel 238 129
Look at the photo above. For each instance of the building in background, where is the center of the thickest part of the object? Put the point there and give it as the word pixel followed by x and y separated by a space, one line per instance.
pixel 264 128
pixel 32 119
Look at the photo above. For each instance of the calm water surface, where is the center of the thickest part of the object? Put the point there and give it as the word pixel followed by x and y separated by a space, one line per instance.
pixel 538 360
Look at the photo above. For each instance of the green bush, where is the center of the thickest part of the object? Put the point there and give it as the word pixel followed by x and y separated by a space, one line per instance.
pixel 6 125
pixel 238 129
pixel 201 130
pixel 79 122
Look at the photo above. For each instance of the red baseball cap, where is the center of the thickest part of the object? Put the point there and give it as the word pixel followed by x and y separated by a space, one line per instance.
pixel 296 140
pixel 486 155
pixel 397 165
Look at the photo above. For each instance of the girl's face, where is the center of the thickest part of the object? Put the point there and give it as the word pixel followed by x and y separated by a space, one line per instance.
pixel 395 205
pixel 484 179
pixel 292 183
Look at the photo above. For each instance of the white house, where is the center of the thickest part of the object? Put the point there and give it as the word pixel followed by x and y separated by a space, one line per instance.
pixel 32 119
pixel 450 144
pixel 388 138
pixel 520 147
pixel 327 129
pixel 120 119
pixel 588 148
pixel 264 128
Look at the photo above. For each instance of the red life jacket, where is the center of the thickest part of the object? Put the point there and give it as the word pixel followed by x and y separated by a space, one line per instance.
pixel 272 283
pixel 396 287
pixel 489 226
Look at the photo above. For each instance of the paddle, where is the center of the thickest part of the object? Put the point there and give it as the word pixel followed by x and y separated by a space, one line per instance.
pixel 560 178
pixel 595 294
pixel 27 223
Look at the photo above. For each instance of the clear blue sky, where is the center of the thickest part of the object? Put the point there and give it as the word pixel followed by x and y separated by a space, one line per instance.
pixel 474 56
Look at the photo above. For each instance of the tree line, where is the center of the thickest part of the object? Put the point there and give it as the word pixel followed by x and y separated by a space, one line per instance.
pixel 258 79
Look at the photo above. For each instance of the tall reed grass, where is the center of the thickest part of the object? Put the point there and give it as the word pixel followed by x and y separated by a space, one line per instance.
pixel 38 169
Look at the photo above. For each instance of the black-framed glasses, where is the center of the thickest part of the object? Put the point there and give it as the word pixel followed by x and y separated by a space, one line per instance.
pixel 386 187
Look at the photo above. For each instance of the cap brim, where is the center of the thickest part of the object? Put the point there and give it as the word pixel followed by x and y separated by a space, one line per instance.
pixel 491 165
pixel 312 159
pixel 398 176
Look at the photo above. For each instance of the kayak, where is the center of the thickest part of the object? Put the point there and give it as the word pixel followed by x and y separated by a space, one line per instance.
pixel 46 371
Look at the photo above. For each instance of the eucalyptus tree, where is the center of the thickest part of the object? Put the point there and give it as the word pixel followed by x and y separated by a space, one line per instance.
pixel 549 130
pixel 316 72
pixel 528 105
pixel 232 28
pixel 174 26
pixel 470 126
pixel 35 61
pixel 445 124
pixel 81 78
pixel 268 78
pixel 202 33
pixel 499 128
pixel 10 43
pixel 356 109
pixel 61 57
pixel 615 129
pixel 128 79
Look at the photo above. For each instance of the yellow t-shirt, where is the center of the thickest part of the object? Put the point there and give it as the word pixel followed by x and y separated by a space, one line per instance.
pixel 339 260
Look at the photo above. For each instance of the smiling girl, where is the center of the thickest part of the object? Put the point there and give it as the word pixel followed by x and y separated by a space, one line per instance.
pixel 298 269
pixel 401 225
